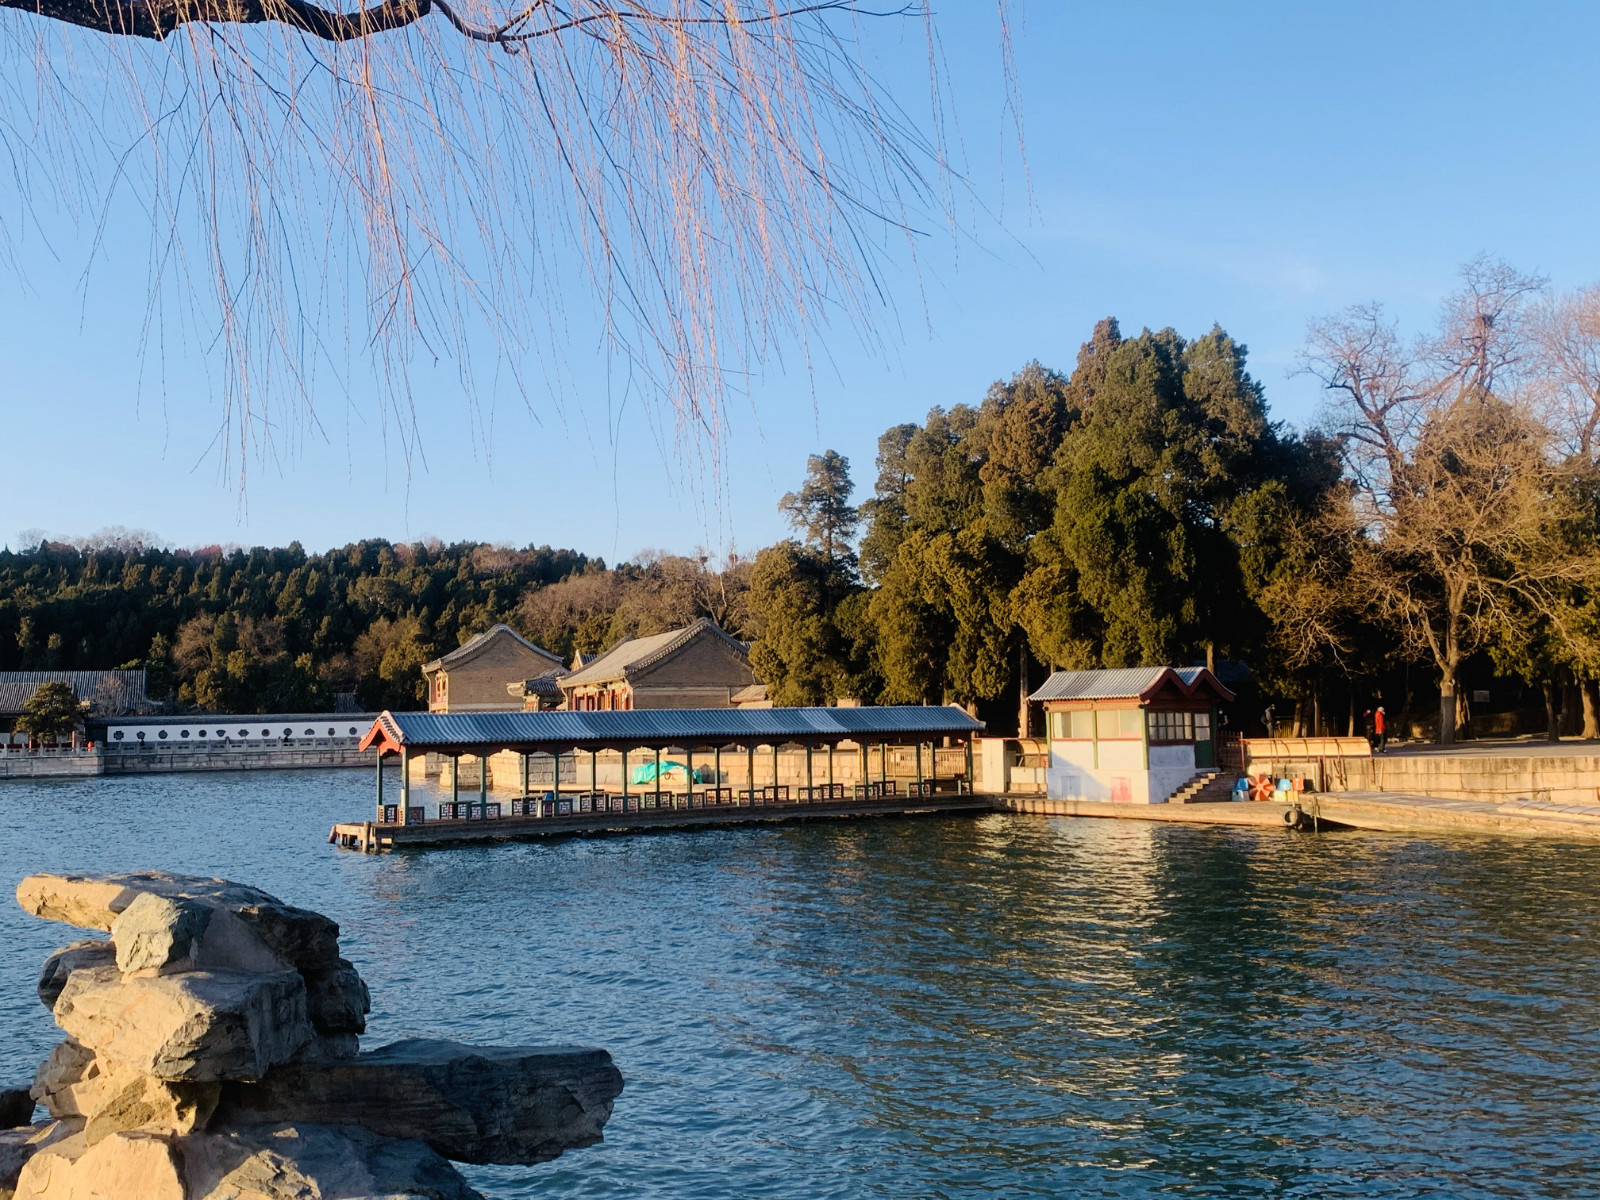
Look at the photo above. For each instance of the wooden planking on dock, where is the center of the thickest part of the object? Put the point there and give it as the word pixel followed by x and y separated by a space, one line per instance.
pixel 371 836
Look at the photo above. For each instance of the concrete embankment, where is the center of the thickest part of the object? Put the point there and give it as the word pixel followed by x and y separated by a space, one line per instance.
pixel 1559 778
pixel 1378 811
pixel 154 762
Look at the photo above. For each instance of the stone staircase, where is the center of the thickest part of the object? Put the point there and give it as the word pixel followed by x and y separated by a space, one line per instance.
pixel 1207 787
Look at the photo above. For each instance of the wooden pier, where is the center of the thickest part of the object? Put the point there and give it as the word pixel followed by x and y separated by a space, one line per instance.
pixel 375 837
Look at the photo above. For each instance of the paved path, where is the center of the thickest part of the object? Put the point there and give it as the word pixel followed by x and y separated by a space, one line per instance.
pixel 1391 812
pixel 1498 748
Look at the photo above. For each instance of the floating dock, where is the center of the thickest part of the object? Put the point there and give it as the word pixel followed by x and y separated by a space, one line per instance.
pixel 375 836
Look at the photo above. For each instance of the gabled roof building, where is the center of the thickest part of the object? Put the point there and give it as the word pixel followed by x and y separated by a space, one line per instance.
pixel 480 674
pixel 1135 735
pixel 107 693
pixel 698 666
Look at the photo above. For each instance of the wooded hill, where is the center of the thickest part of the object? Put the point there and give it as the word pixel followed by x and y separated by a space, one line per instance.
pixel 1436 529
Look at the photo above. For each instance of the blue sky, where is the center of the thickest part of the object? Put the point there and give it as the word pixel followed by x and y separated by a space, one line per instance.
pixel 1254 165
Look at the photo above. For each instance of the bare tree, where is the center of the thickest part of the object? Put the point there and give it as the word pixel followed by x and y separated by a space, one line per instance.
pixel 688 186
pixel 1460 514
pixel 1567 343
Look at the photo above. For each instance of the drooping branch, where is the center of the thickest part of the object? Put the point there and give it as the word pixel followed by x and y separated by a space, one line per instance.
pixel 159 18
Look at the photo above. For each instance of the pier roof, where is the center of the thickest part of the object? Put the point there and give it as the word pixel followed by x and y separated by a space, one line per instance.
pixel 471 731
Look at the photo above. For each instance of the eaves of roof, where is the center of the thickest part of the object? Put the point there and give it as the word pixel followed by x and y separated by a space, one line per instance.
pixel 472 732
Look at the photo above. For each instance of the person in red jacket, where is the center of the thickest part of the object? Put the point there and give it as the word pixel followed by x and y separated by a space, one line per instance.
pixel 1380 729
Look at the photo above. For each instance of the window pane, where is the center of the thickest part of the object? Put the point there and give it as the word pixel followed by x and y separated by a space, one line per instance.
pixel 1109 724
pixel 1202 727
pixel 1083 724
pixel 1132 722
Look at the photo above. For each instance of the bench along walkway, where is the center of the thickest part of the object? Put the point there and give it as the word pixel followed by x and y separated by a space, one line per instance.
pixel 743 737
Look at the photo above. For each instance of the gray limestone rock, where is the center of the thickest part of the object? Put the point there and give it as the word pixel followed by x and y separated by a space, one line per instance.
pixel 337 999
pixel 480 1104
pixel 162 935
pixel 294 1162
pixel 92 952
pixel 198 1025
pixel 299 937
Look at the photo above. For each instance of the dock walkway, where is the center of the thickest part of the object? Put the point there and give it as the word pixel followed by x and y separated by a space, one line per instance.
pixel 372 836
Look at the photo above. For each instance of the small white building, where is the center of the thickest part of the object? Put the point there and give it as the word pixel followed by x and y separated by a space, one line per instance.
pixel 1133 736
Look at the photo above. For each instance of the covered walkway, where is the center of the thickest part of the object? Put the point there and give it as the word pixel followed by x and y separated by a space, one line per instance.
pixel 712 745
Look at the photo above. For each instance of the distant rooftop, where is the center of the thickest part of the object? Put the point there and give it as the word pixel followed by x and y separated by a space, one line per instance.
pixel 472 647
pixel 109 693
pixel 632 655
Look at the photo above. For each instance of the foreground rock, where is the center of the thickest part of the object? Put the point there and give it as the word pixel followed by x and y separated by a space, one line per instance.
pixel 213 1051
pixel 199 1025
pixel 478 1104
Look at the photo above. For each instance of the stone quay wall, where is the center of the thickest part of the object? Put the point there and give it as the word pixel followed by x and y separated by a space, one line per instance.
pixel 154 762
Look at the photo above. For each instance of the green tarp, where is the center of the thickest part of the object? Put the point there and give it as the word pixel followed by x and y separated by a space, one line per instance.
pixel 647 772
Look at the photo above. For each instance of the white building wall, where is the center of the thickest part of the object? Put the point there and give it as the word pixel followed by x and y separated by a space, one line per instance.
pixel 1120 775
pixel 235 733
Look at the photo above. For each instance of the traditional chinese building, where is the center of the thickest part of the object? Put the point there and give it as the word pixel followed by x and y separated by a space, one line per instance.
pixel 1134 736
pixel 487 673
pixel 107 694
pixel 696 667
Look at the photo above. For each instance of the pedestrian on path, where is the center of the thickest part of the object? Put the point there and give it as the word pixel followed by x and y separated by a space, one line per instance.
pixel 1380 729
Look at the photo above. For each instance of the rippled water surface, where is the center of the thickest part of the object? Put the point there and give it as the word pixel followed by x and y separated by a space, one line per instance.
pixel 1000 1006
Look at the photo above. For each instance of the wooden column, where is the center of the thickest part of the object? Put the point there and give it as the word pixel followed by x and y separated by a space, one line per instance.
pixel 830 770
pixel 594 771
pixel 716 767
pixel 972 784
pixel 883 762
pixel 483 785
pixel 525 788
pixel 380 783
pixel 658 777
pixel 750 751
pixel 405 786
pixel 688 776
pixel 866 772
pixel 555 778
pixel 919 766
pixel 811 787
pixel 624 754
pixel 455 785
pixel 774 772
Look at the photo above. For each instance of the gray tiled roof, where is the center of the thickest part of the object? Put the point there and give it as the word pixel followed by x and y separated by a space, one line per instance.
pixel 108 692
pixel 1125 683
pixel 634 654
pixel 470 648
pixel 670 726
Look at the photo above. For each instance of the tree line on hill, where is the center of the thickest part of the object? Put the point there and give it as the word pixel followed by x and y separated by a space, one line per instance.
pixel 1437 521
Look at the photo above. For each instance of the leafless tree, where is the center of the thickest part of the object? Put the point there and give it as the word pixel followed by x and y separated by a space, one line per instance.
pixel 689 187
pixel 1567 343
pixel 1460 515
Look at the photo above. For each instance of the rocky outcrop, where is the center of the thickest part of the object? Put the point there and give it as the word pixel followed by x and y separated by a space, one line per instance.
pixel 213 1051
pixel 479 1104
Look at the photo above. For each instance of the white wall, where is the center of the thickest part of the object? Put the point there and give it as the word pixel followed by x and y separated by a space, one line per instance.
pixel 234 733
pixel 1073 775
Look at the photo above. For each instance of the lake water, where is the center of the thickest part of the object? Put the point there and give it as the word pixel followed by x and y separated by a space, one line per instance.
pixel 995 1006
